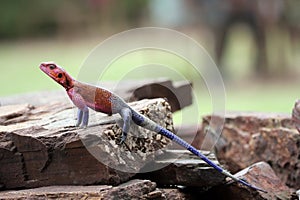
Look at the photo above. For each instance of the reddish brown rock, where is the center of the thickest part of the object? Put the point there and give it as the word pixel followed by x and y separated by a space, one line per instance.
pixel 57 192
pixel 253 121
pixel 296 114
pixel 178 94
pixel 44 148
pixel 175 194
pixel 250 138
pixel 260 175
pixel 14 113
pixel 135 189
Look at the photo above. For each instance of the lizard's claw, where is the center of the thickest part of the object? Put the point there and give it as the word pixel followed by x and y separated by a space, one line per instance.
pixel 123 139
pixel 83 126
pixel 80 126
pixel 122 142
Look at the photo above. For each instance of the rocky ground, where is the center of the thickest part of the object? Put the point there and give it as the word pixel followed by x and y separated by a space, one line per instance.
pixel 43 156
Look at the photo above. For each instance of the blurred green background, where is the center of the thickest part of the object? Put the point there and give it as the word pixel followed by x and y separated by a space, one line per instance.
pixel 254 43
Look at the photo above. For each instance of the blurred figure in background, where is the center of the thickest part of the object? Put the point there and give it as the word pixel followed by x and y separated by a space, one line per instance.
pixel 259 16
pixel 292 22
pixel 269 23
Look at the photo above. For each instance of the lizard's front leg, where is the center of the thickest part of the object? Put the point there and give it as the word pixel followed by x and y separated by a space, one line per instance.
pixel 79 117
pixel 126 115
pixel 83 110
pixel 83 116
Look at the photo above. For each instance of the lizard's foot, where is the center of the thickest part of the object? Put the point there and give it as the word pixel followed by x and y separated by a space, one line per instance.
pixel 79 117
pixel 122 142
pixel 83 126
pixel 126 116
pixel 80 126
pixel 123 139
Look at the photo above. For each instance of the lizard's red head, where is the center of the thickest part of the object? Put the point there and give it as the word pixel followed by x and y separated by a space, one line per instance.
pixel 58 74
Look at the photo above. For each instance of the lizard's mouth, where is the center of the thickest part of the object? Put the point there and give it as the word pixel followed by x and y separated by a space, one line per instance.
pixel 43 68
pixel 46 71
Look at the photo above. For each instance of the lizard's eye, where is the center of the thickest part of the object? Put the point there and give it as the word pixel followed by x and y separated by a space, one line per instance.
pixel 52 67
pixel 59 75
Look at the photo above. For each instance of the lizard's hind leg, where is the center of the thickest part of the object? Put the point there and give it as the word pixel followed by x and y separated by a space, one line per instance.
pixel 126 115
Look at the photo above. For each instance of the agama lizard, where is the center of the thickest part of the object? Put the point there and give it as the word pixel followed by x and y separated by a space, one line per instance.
pixel 85 96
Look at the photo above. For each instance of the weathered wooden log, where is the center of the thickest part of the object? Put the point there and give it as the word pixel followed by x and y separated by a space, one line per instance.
pixel 39 146
pixel 179 94
pixel 181 167
pixel 250 138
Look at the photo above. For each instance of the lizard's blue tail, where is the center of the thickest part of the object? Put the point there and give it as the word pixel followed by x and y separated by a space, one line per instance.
pixel 150 125
pixel 192 149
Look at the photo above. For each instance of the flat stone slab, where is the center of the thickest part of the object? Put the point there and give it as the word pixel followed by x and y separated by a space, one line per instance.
pixel 181 167
pixel 131 190
pixel 39 146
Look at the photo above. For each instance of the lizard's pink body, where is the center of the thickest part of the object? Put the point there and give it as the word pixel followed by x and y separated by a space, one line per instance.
pixel 86 96
pixel 96 98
